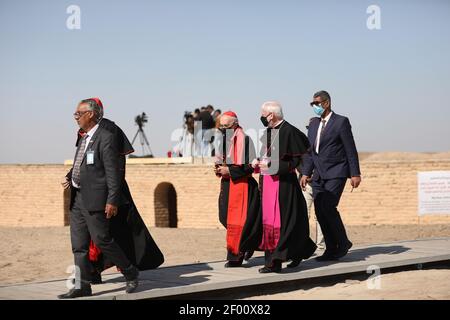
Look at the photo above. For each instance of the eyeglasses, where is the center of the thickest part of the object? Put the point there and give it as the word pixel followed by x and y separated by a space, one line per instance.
pixel 79 114
pixel 315 103
pixel 223 127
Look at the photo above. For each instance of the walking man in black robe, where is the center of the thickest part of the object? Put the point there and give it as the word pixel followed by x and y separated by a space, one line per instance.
pixel 285 215
pixel 239 200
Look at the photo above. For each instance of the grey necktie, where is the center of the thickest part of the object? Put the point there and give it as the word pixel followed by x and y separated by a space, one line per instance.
pixel 324 122
pixel 78 160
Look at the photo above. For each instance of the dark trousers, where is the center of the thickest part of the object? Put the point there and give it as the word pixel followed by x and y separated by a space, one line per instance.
pixel 327 194
pixel 84 226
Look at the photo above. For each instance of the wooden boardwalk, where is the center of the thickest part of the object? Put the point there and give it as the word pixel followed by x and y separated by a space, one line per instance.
pixel 206 278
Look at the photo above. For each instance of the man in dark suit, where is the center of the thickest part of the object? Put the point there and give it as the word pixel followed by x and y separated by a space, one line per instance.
pixel 95 182
pixel 331 159
pixel 127 227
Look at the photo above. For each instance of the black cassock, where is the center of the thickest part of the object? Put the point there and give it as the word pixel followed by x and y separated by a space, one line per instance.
pixel 252 229
pixel 127 228
pixel 289 144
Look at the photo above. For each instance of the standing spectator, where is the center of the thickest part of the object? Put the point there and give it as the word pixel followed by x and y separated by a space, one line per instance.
pixel 216 115
pixel 206 133
pixel 186 145
pixel 210 109
pixel 196 114
pixel 216 131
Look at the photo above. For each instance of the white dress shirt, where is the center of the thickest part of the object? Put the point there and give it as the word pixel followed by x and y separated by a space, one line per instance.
pixel 320 128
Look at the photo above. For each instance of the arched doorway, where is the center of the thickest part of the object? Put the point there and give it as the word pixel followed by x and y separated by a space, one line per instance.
pixel 165 206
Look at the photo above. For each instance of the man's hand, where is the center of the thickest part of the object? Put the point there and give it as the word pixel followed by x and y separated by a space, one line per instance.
pixel 65 183
pixel 224 171
pixel 264 165
pixel 355 181
pixel 255 163
pixel 110 210
pixel 304 181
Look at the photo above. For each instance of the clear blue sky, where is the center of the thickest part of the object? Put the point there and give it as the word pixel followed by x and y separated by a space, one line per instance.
pixel 165 57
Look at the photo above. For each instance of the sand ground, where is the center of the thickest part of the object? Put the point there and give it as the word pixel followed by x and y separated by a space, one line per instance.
pixel 432 284
pixel 38 254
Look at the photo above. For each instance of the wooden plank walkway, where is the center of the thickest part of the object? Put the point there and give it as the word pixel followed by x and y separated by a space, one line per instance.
pixel 206 278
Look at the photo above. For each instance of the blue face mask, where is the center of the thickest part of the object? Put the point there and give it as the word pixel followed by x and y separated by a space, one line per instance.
pixel 318 109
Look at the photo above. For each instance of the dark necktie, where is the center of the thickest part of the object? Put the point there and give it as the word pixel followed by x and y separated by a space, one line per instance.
pixel 324 122
pixel 78 160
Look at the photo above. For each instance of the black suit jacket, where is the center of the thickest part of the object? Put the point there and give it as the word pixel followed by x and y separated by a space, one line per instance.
pixel 100 182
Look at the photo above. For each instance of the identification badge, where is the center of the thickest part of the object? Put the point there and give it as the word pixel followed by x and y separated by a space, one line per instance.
pixel 90 157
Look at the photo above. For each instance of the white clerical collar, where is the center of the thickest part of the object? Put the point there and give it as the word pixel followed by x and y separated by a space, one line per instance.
pixel 278 123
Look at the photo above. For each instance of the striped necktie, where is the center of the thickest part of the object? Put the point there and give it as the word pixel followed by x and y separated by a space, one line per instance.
pixel 78 160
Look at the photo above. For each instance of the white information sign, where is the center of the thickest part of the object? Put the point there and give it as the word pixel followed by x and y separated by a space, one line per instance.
pixel 434 192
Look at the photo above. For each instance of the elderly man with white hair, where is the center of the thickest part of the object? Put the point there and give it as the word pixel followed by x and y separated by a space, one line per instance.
pixel 239 200
pixel 284 211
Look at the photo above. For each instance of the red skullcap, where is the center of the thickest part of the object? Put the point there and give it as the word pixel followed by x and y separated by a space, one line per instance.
pixel 97 100
pixel 230 114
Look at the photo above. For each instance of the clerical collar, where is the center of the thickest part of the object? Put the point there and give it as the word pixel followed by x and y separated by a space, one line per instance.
pixel 278 123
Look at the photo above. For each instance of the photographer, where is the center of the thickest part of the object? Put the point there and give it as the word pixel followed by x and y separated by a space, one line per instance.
pixel 186 146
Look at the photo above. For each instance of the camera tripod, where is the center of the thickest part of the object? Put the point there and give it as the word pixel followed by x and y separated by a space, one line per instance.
pixel 140 120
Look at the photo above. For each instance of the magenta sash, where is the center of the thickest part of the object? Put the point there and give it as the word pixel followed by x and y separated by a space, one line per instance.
pixel 271 213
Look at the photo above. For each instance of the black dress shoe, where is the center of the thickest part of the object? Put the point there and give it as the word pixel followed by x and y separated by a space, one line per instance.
pixel 295 263
pixel 76 293
pixel 131 286
pixel 131 275
pixel 326 257
pixel 276 267
pixel 96 278
pixel 248 255
pixel 311 251
pixel 267 269
pixel 233 264
pixel 342 251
